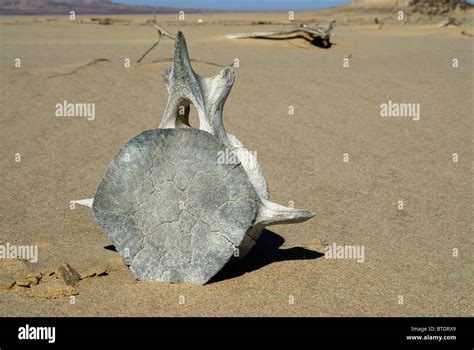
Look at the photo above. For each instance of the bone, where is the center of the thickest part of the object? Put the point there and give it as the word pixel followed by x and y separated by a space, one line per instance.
pixel 85 202
pixel 270 213
pixel 173 211
pixel 184 86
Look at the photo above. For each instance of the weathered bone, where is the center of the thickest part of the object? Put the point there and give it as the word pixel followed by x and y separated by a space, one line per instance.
pixel 85 202
pixel 173 212
pixel 208 95
pixel 270 213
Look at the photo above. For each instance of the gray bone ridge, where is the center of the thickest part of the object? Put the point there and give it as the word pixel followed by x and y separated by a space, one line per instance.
pixel 173 211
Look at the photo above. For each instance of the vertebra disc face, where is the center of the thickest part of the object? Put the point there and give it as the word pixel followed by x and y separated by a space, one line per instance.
pixel 173 211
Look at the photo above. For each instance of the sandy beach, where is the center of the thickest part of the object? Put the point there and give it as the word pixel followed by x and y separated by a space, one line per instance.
pixel 336 156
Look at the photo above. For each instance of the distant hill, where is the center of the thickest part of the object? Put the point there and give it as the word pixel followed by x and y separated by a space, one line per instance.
pixel 82 7
pixel 381 3
pixel 437 7
pixel 430 7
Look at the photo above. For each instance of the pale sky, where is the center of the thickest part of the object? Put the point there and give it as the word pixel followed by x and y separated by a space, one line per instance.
pixel 281 5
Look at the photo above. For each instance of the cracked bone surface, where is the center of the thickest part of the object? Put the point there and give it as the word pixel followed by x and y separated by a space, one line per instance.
pixel 172 208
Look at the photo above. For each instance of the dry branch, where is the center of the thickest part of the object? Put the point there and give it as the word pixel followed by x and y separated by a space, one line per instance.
pixel 80 67
pixel 161 32
pixel 151 48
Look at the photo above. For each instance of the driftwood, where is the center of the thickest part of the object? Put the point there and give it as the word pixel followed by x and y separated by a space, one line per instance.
pixel 318 36
pixel 161 32
pixel 108 21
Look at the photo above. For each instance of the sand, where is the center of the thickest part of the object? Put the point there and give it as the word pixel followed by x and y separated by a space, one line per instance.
pixel 408 252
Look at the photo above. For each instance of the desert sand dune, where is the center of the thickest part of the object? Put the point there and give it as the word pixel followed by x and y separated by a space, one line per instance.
pixel 408 252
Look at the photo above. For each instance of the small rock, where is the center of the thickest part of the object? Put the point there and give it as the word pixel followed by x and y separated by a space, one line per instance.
pixel 6 282
pixel 14 268
pixel 34 278
pixel 100 270
pixel 23 283
pixel 46 274
pixel 34 274
pixel 52 290
pixel 68 275
pixel 34 281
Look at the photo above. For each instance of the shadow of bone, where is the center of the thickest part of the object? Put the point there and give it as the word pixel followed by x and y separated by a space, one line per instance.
pixel 315 41
pixel 265 252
